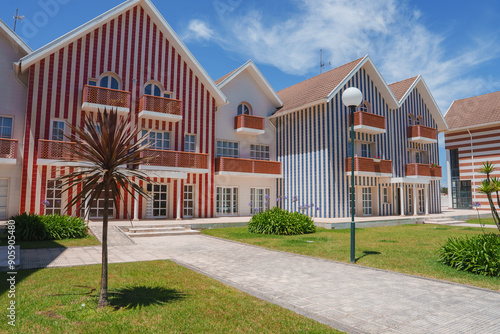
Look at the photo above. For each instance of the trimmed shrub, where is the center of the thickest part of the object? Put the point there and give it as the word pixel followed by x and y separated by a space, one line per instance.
pixel 33 227
pixel 281 222
pixel 478 254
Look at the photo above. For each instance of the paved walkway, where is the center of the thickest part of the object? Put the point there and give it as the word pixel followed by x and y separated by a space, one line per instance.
pixel 348 297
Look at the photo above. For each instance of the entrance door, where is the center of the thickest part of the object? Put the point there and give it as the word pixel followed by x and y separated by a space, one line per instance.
pixel 398 200
pixel 4 192
pixel 188 199
pixel 157 203
pixel 421 201
pixel 227 201
pixel 367 201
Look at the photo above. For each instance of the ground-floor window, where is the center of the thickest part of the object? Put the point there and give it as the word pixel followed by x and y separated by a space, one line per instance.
pixel 421 200
pixel 156 206
pixel 259 199
pixel 188 201
pixel 97 207
pixel 410 200
pixel 4 193
pixel 53 197
pixel 227 201
pixel 386 198
pixel 367 201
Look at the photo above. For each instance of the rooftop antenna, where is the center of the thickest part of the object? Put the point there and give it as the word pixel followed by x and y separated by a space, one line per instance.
pixel 17 18
pixel 321 64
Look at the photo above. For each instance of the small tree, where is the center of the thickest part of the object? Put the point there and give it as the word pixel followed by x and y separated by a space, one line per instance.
pixel 488 187
pixel 105 144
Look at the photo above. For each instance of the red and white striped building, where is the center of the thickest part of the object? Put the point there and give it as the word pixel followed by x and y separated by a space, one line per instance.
pixel 131 60
pixel 473 137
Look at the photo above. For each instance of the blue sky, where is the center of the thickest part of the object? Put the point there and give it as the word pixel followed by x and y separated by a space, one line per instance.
pixel 455 45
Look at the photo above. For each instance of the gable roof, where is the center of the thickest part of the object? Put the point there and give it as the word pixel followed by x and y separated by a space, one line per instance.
pixel 156 17
pixel 257 76
pixel 474 111
pixel 14 38
pixel 400 88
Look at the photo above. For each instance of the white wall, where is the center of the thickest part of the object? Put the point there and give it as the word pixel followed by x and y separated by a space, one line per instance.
pixel 243 88
pixel 13 103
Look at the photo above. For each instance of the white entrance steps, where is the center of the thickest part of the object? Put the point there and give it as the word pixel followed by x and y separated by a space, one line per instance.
pixel 443 221
pixel 158 230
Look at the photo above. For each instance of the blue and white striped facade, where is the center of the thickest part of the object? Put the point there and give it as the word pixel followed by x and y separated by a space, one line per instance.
pixel 313 144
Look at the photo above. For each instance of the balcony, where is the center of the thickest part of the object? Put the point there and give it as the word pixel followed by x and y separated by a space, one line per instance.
pixel 177 162
pixel 247 167
pixel 422 134
pixel 368 123
pixel 98 98
pixel 369 167
pixel 249 125
pixel 423 170
pixel 8 151
pixel 57 153
pixel 160 108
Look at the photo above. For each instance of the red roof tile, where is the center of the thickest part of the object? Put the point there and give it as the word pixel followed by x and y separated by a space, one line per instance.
pixel 400 88
pixel 218 81
pixel 315 88
pixel 475 110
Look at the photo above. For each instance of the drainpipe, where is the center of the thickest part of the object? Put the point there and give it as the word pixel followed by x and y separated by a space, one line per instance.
pixel 473 170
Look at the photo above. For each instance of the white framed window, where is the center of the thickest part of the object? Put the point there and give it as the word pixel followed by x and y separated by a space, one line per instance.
pixel 160 139
pixel 189 143
pixel 410 200
pixel 259 199
pixel 155 89
pixel 367 201
pixel 6 127
pixel 259 152
pixel 4 197
pixel 386 198
pixel 227 201
pixel 244 109
pixel 97 207
pixel 109 81
pixel 157 204
pixel 227 148
pixel 411 119
pixel 366 150
pixel 53 197
pixel 419 157
pixel 365 106
pixel 58 130
pixel 188 201
pixel 421 201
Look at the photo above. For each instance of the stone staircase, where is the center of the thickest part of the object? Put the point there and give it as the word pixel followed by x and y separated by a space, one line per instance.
pixel 158 231
pixel 443 221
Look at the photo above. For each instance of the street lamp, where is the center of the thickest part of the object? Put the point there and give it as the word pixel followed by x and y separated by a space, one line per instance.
pixel 351 98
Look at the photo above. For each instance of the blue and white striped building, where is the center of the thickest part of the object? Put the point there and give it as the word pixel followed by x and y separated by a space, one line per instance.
pixel 396 150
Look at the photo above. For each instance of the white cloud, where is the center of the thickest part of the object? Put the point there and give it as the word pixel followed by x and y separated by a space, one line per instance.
pixel 198 30
pixel 388 30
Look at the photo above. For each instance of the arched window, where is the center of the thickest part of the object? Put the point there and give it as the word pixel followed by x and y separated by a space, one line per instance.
pixel 411 119
pixel 155 89
pixel 365 106
pixel 244 109
pixel 418 120
pixel 108 80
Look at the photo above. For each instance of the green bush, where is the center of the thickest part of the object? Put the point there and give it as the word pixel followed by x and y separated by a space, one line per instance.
pixel 33 227
pixel 478 254
pixel 282 222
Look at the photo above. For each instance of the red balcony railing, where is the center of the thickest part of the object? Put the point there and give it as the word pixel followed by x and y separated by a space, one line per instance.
pixel 8 148
pixel 160 105
pixel 422 131
pixel 423 170
pixel 369 119
pixel 238 165
pixel 56 150
pixel 249 121
pixel 162 158
pixel 106 96
pixel 369 165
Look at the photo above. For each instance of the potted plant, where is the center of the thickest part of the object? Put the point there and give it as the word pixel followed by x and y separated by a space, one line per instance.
pixel 376 159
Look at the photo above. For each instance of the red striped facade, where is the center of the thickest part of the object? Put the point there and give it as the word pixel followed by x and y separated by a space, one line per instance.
pixel 475 146
pixel 132 47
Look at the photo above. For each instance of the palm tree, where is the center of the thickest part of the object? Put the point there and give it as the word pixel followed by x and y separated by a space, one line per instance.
pixel 495 181
pixel 105 145
pixel 487 188
pixel 487 168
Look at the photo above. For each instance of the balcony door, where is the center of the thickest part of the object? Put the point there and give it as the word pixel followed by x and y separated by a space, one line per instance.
pixel 367 201
pixel 4 195
pixel 157 204
pixel 227 201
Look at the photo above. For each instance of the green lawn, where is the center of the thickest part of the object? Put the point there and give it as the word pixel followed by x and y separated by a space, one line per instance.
pixel 90 240
pixel 410 249
pixel 487 221
pixel 146 297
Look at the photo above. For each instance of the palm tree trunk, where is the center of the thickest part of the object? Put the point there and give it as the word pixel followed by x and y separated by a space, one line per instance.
pixel 103 297
pixel 498 200
pixel 494 212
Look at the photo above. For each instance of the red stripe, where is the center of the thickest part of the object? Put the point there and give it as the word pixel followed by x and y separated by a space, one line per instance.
pixel 103 47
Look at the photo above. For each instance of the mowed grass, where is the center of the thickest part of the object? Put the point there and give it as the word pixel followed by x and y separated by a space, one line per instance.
pixel 487 221
pixel 146 297
pixel 409 249
pixel 89 240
